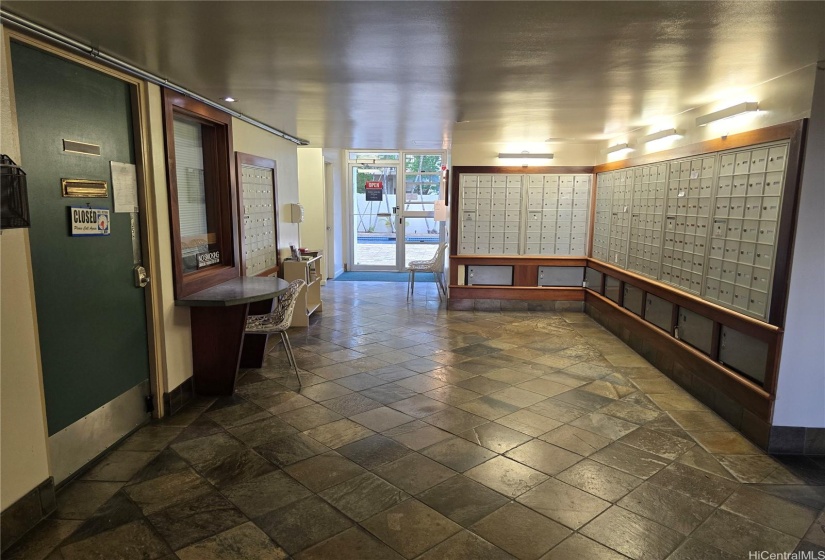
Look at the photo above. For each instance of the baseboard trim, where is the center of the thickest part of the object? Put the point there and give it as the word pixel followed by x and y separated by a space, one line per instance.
pixel 788 440
pixel 24 514
pixel 179 397
pixel 513 305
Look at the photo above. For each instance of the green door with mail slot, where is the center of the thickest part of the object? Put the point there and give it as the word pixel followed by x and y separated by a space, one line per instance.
pixel 91 315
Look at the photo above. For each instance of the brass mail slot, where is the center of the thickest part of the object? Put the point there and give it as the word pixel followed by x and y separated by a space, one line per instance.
pixel 84 188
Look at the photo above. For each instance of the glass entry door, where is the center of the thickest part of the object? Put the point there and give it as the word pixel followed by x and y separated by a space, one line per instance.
pixel 376 224
pixel 422 187
pixel 394 223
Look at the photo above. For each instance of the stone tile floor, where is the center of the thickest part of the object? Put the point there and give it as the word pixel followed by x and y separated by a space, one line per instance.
pixel 434 434
pixel 383 254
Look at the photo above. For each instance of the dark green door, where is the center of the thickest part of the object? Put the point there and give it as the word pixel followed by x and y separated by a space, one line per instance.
pixel 91 317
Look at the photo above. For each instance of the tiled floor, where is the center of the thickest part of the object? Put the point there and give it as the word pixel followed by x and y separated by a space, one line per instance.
pixel 383 254
pixel 423 433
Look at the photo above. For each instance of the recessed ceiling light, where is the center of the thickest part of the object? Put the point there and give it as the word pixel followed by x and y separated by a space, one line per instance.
pixel 230 99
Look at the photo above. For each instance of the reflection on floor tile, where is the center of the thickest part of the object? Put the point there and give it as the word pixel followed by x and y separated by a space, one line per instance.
pixel 632 535
pixel 363 496
pixel 373 451
pixel 83 498
pixel 187 523
pixel 323 471
pixel 414 473
pixel 738 536
pixel 521 531
pixel 466 545
pixel 265 493
pixel 436 434
pixel 161 492
pixel 120 465
pixel 411 527
pixel 564 503
pixel 578 546
pixel 352 544
pixel 771 511
pixel 678 512
pixel 495 437
pixel 245 541
pixel 600 480
pixel 458 454
pixel 302 524
pixel 506 476
pixel 132 540
pixel 43 539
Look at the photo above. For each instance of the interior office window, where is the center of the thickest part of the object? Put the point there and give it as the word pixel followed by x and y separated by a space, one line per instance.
pixel 203 205
pixel 196 237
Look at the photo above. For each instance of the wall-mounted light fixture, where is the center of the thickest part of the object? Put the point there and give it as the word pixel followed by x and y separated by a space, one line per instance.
pixel 660 135
pixel 619 148
pixel 747 107
pixel 525 155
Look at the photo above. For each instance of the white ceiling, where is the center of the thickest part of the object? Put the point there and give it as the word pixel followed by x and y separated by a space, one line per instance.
pixel 397 74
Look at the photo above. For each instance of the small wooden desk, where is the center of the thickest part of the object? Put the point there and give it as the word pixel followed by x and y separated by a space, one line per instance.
pixel 218 323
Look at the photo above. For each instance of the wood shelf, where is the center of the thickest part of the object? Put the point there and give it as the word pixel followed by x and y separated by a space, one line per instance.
pixel 309 298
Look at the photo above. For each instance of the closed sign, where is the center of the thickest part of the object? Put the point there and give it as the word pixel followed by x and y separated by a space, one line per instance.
pixel 89 221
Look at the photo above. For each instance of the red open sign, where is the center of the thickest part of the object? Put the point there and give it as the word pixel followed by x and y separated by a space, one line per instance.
pixel 373 185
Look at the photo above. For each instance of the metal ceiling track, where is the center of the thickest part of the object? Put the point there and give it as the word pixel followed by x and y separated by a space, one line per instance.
pixel 7 18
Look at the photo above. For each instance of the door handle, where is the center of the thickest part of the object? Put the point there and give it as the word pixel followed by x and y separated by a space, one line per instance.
pixel 141 277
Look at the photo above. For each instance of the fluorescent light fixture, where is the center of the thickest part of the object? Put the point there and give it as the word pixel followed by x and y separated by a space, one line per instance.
pixel 660 135
pixel 230 99
pixel 525 155
pixel 619 148
pixel 747 107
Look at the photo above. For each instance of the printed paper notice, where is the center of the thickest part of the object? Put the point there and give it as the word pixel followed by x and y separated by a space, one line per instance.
pixel 124 187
